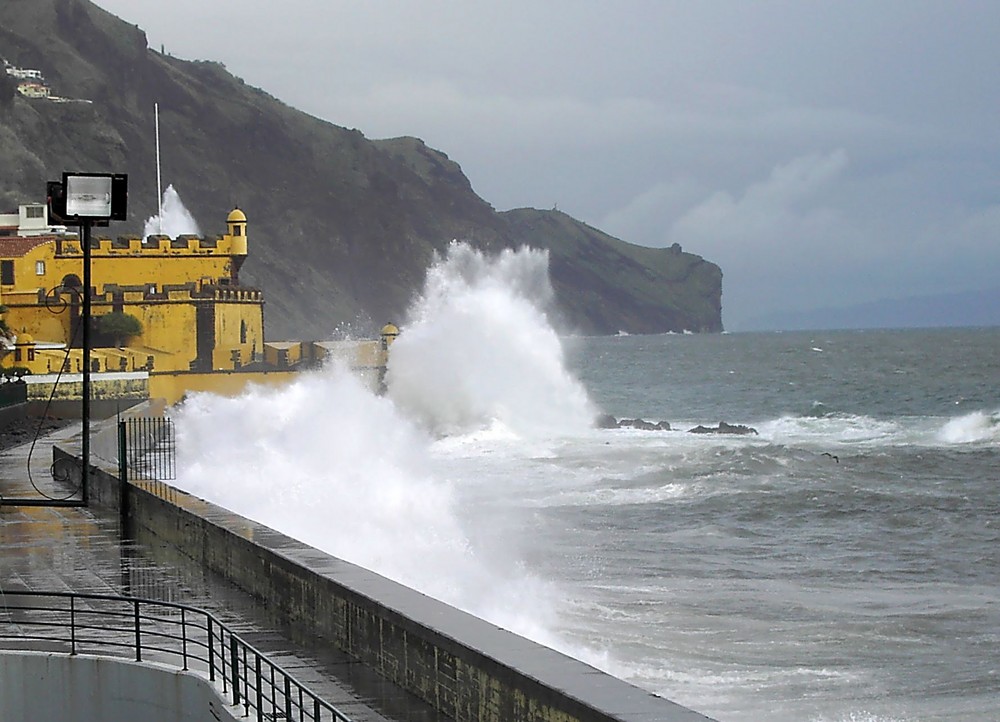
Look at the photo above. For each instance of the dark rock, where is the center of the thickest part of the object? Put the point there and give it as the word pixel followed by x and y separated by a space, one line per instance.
pixel 640 424
pixel 607 421
pixel 724 428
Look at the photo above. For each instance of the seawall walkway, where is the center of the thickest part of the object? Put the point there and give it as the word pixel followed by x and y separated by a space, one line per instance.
pixel 77 550
pixel 178 547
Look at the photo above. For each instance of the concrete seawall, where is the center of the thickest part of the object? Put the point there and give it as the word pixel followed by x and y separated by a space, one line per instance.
pixel 464 667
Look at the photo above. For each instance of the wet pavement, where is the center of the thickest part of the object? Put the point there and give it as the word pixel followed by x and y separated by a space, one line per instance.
pixel 75 549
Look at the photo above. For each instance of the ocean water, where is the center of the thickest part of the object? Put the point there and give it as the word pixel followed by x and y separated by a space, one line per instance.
pixel 840 565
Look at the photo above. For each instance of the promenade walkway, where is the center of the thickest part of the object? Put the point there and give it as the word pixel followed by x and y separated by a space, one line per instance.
pixel 70 549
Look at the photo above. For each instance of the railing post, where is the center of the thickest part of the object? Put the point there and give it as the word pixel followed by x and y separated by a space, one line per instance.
pixel 234 669
pixel 72 625
pixel 288 698
pixel 184 640
pixel 172 456
pixel 138 637
pixel 260 684
pixel 211 651
pixel 123 477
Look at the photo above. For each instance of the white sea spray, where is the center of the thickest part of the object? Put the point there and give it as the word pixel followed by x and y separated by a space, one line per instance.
pixel 329 462
pixel 176 219
pixel 478 349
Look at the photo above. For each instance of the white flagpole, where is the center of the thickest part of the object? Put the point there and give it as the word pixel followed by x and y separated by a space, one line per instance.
pixel 159 192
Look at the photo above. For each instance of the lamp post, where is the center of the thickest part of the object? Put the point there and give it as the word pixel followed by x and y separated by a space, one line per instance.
pixel 86 200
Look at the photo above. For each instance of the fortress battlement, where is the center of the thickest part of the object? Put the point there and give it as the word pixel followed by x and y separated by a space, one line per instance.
pixel 155 245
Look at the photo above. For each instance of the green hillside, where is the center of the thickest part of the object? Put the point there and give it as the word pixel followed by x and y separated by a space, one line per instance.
pixel 341 227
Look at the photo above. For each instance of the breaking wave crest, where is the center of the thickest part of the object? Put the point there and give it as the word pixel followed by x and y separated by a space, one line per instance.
pixel 175 221
pixel 330 463
pixel 478 349
pixel 976 427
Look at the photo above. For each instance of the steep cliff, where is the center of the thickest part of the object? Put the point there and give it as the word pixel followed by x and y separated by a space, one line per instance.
pixel 341 227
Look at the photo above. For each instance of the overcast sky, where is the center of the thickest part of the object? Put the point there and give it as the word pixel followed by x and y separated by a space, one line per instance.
pixel 822 153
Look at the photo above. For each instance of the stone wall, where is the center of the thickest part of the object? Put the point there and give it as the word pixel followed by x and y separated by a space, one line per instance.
pixel 468 669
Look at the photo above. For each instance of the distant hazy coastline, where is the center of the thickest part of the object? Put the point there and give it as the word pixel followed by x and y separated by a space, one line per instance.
pixel 971 309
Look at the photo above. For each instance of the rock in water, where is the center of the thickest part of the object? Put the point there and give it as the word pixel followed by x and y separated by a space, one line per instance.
pixel 607 421
pixel 724 428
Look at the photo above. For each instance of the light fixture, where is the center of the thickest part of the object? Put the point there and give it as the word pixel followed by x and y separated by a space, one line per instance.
pixel 88 196
pixel 86 200
pixel 94 197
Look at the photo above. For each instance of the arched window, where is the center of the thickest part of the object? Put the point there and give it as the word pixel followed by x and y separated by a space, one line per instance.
pixel 72 281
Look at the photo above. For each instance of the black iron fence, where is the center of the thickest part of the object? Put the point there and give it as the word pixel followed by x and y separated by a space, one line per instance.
pixel 164 632
pixel 146 448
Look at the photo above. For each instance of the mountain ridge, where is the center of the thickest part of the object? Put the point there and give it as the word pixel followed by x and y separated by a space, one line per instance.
pixel 342 228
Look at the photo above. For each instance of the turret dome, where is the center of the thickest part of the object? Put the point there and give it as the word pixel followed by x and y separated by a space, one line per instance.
pixel 236 216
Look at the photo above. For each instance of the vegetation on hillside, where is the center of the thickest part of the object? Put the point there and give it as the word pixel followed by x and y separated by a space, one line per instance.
pixel 341 228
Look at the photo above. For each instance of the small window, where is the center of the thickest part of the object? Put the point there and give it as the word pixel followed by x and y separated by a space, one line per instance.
pixel 7 273
pixel 237 230
pixel 39 268
pixel 34 212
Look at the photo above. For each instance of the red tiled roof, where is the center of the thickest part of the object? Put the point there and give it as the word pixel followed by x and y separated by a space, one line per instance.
pixel 18 246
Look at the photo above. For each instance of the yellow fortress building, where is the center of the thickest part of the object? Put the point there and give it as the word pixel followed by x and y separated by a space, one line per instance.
pixel 199 328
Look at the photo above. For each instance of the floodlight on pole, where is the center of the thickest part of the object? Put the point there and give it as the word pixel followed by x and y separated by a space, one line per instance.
pixel 88 196
pixel 85 200
pixel 95 196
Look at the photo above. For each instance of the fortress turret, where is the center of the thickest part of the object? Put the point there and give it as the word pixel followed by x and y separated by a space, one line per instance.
pixel 389 334
pixel 237 222
pixel 24 347
pixel 237 233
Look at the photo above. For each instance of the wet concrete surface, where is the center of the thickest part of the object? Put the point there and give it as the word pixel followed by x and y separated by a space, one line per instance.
pixel 74 549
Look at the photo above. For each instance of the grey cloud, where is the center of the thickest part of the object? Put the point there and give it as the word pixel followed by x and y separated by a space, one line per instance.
pixel 818 151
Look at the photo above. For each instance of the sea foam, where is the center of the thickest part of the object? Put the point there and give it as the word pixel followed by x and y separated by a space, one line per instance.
pixel 976 427
pixel 330 463
pixel 478 350
pixel 175 220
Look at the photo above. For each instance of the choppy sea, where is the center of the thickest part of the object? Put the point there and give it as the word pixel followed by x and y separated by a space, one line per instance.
pixel 840 565
pixel 844 564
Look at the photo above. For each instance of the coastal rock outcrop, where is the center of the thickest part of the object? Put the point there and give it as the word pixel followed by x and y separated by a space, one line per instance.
pixel 607 421
pixel 724 428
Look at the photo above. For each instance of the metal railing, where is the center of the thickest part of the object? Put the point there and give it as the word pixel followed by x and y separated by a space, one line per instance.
pixel 165 633
pixel 147 448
